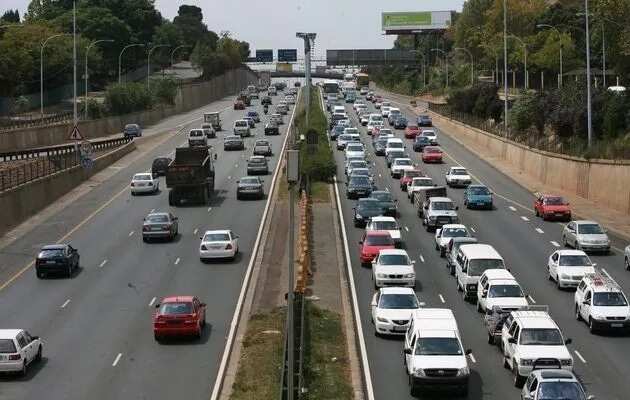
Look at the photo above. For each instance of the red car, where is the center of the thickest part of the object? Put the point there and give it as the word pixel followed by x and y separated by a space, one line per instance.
pixel 372 243
pixel 411 131
pixel 408 177
pixel 432 154
pixel 549 206
pixel 377 98
pixel 179 316
pixel 239 105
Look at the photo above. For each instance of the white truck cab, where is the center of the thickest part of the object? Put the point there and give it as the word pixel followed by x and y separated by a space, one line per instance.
pixel 471 261
pixel 499 288
pixel 600 302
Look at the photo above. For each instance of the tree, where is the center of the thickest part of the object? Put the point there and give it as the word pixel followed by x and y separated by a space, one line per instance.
pixel 11 17
pixel 468 29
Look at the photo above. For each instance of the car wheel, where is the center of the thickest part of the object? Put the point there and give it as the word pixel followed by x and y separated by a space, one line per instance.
pixel 38 356
pixel 40 274
pixel 157 337
pixel 437 247
pixel 459 288
pixel 506 364
pixel 558 283
pixel 536 212
pixel 490 338
pixel 479 309
pixel 69 271
pixel 518 380
pixel 564 241
pixel 413 391
pixel 578 317
pixel 442 252
pixel 591 326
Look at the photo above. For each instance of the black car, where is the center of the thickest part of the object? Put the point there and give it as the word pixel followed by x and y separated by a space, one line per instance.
pixel 257 165
pixel 420 142
pixel 386 201
pixel 336 131
pixel 266 100
pixel 394 154
pixel 272 128
pixel 425 120
pixel 400 123
pixel 366 209
pixel 233 142
pixel 250 186
pixel 358 186
pixel 160 165
pixel 379 147
pixel 57 259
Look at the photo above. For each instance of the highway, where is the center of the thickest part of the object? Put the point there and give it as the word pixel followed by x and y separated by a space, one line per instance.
pixel 523 240
pixel 97 326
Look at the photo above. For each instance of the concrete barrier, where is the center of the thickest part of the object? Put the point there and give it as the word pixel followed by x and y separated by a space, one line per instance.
pixel 188 98
pixel 26 200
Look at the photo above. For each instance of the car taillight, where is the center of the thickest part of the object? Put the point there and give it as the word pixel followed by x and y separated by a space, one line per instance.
pixel 203 247
pixel 228 246
pixel 15 357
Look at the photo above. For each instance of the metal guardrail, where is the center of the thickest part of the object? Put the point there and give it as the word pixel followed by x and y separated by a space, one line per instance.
pixel 9 125
pixel 54 151
pixel 24 170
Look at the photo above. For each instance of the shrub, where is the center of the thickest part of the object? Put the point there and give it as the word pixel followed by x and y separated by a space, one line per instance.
pixel 527 111
pixel 127 98
pixel 164 90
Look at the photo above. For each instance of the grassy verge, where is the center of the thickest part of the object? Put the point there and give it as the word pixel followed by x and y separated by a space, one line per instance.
pixel 326 364
pixel 320 192
pixel 258 374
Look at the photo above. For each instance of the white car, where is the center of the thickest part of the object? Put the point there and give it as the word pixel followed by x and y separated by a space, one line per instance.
pixel 144 183
pixel 364 118
pixel 355 149
pixel 289 99
pixel 430 133
pixel 18 349
pixel 394 144
pixel 600 302
pixel 277 118
pixel 457 176
pixel 197 137
pixel 241 128
pixel 391 310
pixel 351 164
pixel 399 166
pixel 388 224
pixel 444 235
pixel 499 288
pixel 218 244
pixel 393 267
pixel 417 184
pixel 568 267
pixel 358 104
pixel 385 111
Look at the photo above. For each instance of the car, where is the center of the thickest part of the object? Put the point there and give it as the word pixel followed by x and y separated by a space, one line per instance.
pixel 393 114
pixel 282 108
pixel 471 261
pixel 365 210
pixel 626 257
pixel 568 267
pixel 132 130
pixel 290 99
pixel 262 147
pixel 271 128
pixel 250 122
pixel 394 144
pixel 528 337
pixel 399 166
pixel 233 142
pixel 497 288
pixel 222 243
pixel 179 316
pixel 349 130
pixel 418 184
pixel 385 223
pixel 601 303
pixel 241 128
pixel 372 243
pixel 160 165
pixel 373 126
pixel 257 165
pixel 209 131
pixel 354 149
pixel 550 383
pixel 430 133
pixel 446 233
pixel 239 105
pixel 431 154
pixel 355 163
pixel 358 187
pixel 385 110
pixel 19 350
pixel 162 225
pixel 250 186
pixel 364 117
pixel 362 172
pixel 420 142
pixel 197 137
pixel 457 176
pixel 411 131
pixel 363 91
pixel 549 206
pixel 272 91
pixel 266 101
pixel 388 203
pixel 379 146
pixel 585 235
pixel 478 196
pixel 424 120
pixel 254 115
pixel 439 211
pixel 391 308
pixel 408 176
pixel 393 155
pixel 393 268
pixel 369 96
pixel 342 141
pixel 56 259
pixel 452 249
pixel 277 118
pixel 400 122
pixel 335 131
pixel 144 182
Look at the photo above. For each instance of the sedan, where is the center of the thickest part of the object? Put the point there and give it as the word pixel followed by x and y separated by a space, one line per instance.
pixel 250 186
pixel 272 128
pixel 179 316
pixel 358 186
pixel 411 131
pixel 160 165
pixel 365 210
pixel 431 154
pixel 266 101
pixel 144 183
pixel 277 118
pixel 568 267
pixel 233 142
pixel 585 235
pixel 430 133
pixel 391 310
pixel 444 235
pixel 478 196
pixel 420 143
pixel 372 243
pixel 257 165
pixel 218 244
pixel 548 206
pixel 254 115
pixel 424 120
pixel 18 350
pixel 400 123
pixel 262 147
pixel 388 203
pixel 56 259
pixel 160 225
pixel 393 268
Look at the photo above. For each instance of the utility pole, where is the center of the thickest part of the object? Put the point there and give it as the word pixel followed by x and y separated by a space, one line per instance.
pixel 309 41
pixel 41 71
pixel 87 51
pixel 588 78
pixel 445 62
pixel 505 78
pixel 472 65
pixel 604 55
pixel 120 59
pixel 74 69
pixel 174 50
pixel 559 36
pixel 149 62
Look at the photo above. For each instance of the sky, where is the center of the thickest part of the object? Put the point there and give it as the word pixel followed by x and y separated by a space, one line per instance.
pixel 271 24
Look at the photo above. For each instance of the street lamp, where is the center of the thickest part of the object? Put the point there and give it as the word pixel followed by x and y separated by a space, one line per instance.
pixel 505 79
pixel 555 29
pixel 424 68
pixel 588 78
pixel 525 52
pixel 149 61
pixel 41 71
pixel 120 58
pixel 472 64
pixel 87 51
pixel 445 62
pixel 174 50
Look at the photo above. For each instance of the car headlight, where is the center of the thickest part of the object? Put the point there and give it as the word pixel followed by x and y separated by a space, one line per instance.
pixel 566 362
pixel 564 276
pixel 381 276
pixel 419 373
pixel 410 275
pixel 432 217
pixel 381 319
pixel 596 316
pixel 463 371
pixel 526 362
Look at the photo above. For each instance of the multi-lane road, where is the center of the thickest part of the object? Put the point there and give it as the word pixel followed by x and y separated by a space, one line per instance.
pixel 523 240
pixel 97 326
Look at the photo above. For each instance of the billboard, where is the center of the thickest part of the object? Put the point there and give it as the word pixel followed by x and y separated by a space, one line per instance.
pixel 264 55
pixel 408 22
pixel 370 57
pixel 287 55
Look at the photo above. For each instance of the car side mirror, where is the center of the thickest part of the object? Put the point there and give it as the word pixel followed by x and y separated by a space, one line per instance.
pixel 594 265
pixel 373 303
pixel 512 340
pixel 484 294
pixel 407 351
pixel 360 241
pixel 215 156
pixel 590 397
pixel 468 352
pixel 456 208
pixel 568 341
pixel 238 181
pixel 586 303
pixel 200 237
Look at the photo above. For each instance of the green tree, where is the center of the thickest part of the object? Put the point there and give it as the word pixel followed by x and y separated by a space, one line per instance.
pixel 11 17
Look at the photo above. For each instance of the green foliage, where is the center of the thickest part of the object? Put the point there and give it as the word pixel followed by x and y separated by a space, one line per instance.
pixel 479 100
pixel 614 115
pixel 10 17
pixel 164 90
pixel 126 98
pixel 527 112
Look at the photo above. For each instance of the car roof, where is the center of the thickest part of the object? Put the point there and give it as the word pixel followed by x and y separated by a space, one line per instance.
pixel 9 333
pixel 534 319
pixel 377 233
pixel 556 374
pixel 397 290
pixel 158 213
pixel 178 299
pixel 479 250
pixel 454 226
pixel 498 274
pixel 570 252
pixel 54 247
pixel 142 173
pixel 393 252
pixel 477 186
pixel 440 199
pixel 585 222
pixel 458 167
pixel 383 219
pixel 442 320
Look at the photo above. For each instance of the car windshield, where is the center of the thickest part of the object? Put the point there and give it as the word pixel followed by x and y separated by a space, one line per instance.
pixel 590 229
pixel 428 133
pixel 7 346
pixel 459 172
pixel 241 124
pixel 384 225
pixel 233 139
pixel 478 191
pixel 422 139
pixel 432 150
pixel 379 240
pixel 344 137
pixel 381 142
pixel 454 232
pixel 176 308
pixel 339 128
pixel 423 182
pixel 157 218
pixel 396 154
pixel 439 346
pixel 395 145
pixel 411 173
pixel 142 177
pixel 216 237
pixel 554 201
pixel 358 164
pixel 505 291
pixel 442 205
pixel 477 266
pixel 403 162
pixel 609 299
pixel 354 147
pixel 256 160
pixel 575 261
pixel 250 181
pixel 360 172
pixel 393 259
pixel 382 196
pixel 359 181
pixel 559 390
pixel 46 253
pixel 369 205
pixel 541 337
pixel 397 301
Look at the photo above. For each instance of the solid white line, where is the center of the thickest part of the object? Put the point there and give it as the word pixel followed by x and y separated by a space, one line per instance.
pixel 472 358
pixel 556 244
pixel 177 261
pixel 531 299
pixel 195 231
pixel 577 353
pixel 131 233
pixel 441 298
pixel 421 258
pixel 472 229
pixel 103 264
pixel 407 229
pixel 152 301
pixel 116 359
pixel 540 231
pixel 512 208
pixel 606 273
pixel 65 303
pixel 524 218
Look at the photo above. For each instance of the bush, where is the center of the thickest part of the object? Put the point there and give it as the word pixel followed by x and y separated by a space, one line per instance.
pixel 126 98
pixel 478 100
pixel 164 90
pixel 527 111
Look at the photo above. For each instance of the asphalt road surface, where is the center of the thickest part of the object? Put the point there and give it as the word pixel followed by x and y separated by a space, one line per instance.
pixel 523 240
pixel 97 326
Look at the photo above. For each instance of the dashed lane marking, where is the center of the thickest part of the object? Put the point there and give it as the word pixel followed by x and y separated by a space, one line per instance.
pixel 407 229
pixel 531 299
pixel 117 359
pixel 472 358
pixel 102 264
pixel 540 231
pixel 152 302
pixel 195 231
pixel 177 261
pixel 512 208
pixel 441 298
pixel 421 258
pixel 472 229
pixel 524 218
pixel 556 244
pixel 65 303
pixel 152 210
pixel 209 209
pixel 131 233
pixel 577 353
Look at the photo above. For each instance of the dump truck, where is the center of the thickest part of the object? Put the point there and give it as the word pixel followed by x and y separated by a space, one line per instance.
pixel 213 118
pixel 190 176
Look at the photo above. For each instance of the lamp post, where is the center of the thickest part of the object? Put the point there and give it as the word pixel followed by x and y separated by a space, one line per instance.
pixel 174 50
pixel 525 61
pixel 472 64
pixel 445 61
pixel 424 68
pixel 505 78
pixel 41 71
pixel 558 32
pixel 120 58
pixel 588 78
pixel 87 51
pixel 149 61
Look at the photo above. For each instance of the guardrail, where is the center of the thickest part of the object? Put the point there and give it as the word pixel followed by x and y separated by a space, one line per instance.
pixel 8 125
pixel 19 171
pixel 55 151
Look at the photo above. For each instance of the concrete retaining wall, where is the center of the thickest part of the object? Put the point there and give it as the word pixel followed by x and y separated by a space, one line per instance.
pixel 189 97
pixel 26 200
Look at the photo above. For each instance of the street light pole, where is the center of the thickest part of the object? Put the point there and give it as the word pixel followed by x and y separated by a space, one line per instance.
pixel 604 55
pixel 525 53
pixel 75 115
pixel 87 51
pixel 505 77
pixel 445 62
pixel 472 64
pixel 588 78
pixel 557 31
pixel 120 59
pixel 174 50
pixel 149 61
pixel 41 72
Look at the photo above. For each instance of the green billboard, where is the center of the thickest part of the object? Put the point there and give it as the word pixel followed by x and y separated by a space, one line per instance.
pixel 415 20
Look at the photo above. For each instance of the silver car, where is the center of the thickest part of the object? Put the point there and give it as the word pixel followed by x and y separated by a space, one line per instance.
pixel 626 257
pixel 586 236
pixel 160 225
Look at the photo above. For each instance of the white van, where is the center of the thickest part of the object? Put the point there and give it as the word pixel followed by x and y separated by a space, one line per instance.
pixel 471 261
pixel 241 128
pixel 431 329
pixel 339 110
pixel 499 288
pixel 197 137
pixel 394 144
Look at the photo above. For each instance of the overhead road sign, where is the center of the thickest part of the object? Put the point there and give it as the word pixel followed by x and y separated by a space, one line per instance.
pixel 397 23
pixel 264 55
pixel 363 57
pixel 287 55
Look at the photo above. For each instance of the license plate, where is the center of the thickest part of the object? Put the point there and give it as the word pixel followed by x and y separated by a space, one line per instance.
pixel 616 325
pixel 155 228
pixel 216 247
pixel 400 328
pixel 51 262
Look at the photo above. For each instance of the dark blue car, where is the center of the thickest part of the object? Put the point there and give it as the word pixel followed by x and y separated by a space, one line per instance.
pixel 253 115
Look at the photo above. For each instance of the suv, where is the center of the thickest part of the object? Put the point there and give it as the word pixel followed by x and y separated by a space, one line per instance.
pixel 197 137
pixel 531 337
pixel 452 248
pixel 602 304
pixel 439 211
pixel 471 261
pixel 209 130
pixel 132 130
pixel 18 350
pixel 499 288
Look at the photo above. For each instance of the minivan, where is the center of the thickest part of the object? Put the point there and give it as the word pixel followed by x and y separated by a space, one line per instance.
pixel 471 261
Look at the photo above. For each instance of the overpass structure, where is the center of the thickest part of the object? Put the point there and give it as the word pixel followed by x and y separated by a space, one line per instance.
pixel 300 74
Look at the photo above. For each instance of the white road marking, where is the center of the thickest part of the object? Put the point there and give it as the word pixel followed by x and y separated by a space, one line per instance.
pixel 441 298
pixel 524 218
pixel 512 208
pixel 195 231
pixel 422 304
pixel 407 229
pixel 102 264
pixel 540 231
pixel 421 258
pixel 131 233
pixel 235 165
pixel 229 177
pixel 152 301
pixel 65 303
pixel 606 273
pixel 116 359
pixel 577 353
pixel 177 261
pixel 380 176
pixel 472 358
pixel 209 209
pixel 152 210
pixel 472 229
pixel 531 299
pixel 556 244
